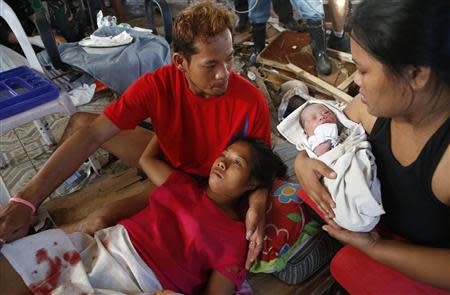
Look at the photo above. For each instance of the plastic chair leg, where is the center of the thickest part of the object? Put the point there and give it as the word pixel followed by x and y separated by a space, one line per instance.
pixel 165 13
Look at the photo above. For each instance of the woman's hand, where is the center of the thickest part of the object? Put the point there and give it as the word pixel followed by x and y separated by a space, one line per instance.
pixel 309 172
pixel 15 221
pixel 360 240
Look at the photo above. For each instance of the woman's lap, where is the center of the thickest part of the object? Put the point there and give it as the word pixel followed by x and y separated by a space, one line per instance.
pixel 359 274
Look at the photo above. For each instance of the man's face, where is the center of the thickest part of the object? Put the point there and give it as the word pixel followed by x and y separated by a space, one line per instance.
pixel 209 69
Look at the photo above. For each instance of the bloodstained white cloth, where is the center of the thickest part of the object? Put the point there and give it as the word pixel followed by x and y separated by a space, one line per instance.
pixel 53 262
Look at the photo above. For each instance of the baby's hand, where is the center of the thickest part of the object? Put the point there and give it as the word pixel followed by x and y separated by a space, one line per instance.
pixel 323 148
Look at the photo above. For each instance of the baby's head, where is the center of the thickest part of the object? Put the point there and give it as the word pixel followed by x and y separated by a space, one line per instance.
pixel 315 114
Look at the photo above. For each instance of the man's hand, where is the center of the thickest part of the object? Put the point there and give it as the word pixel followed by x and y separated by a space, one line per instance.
pixel 255 222
pixel 15 221
pixel 309 172
pixel 254 225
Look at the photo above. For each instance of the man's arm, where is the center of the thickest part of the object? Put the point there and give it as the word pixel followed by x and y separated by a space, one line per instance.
pixel 156 169
pixel 15 218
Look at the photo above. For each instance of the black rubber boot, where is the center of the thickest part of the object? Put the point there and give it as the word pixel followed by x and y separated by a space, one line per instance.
pixel 259 40
pixel 283 8
pixel 318 45
pixel 341 44
pixel 241 5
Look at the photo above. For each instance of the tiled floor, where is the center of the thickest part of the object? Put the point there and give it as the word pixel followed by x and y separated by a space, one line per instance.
pixel 25 150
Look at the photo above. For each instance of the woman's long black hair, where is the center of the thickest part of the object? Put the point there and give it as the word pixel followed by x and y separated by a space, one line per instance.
pixel 405 32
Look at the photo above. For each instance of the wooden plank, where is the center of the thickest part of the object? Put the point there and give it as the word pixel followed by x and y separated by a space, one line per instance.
pixel 347 82
pixel 319 83
pixel 336 93
pixel 339 55
pixel 288 78
pixel 239 38
pixel 76 206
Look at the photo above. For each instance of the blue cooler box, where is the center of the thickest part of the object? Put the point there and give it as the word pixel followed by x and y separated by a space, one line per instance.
pixel 22 89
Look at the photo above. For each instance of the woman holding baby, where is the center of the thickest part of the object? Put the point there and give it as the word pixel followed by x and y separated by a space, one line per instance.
pixel 402 53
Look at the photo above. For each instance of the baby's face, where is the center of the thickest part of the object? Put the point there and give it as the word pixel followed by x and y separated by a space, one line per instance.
pixel 315 115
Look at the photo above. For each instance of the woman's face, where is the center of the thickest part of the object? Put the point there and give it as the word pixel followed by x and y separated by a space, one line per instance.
pixel 230 174
pixel 384 94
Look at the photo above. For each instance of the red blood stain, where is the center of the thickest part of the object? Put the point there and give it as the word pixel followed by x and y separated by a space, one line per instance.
pixel 72 257
pixel 105 243
pixel 50 283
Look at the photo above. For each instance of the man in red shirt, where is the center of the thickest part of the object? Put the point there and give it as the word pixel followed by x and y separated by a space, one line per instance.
pixel 196 105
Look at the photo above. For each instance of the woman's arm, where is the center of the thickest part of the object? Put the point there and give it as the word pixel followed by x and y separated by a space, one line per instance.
pixel 156 169
pixel 357 112
pixel 109 214
pixel 218 284
pixel 424 264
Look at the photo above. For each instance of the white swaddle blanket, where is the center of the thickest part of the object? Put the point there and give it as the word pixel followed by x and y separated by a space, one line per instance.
pixel 356 189
pixel 322 133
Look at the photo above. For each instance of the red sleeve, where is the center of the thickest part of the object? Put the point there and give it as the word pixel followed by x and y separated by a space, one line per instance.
pixel 136 104
pixel 261 125
pixel 264 125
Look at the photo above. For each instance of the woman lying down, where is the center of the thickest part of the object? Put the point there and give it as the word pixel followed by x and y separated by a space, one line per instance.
pixel 189 238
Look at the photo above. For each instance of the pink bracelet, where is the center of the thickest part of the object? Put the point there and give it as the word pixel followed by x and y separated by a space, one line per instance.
pixel 24 202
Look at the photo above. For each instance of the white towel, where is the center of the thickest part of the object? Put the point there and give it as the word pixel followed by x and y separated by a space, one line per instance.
pixel 356 190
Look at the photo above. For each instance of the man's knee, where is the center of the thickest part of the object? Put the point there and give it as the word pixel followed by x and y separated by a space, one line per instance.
pixel 80 120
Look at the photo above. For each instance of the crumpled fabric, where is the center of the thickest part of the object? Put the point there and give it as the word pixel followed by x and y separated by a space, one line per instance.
pixel 107 41
pixel 356 189
pixel 322 133
pixel 118 67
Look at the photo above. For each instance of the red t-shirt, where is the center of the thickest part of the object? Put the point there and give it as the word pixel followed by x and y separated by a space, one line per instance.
pixel 192 130
pixel 182 235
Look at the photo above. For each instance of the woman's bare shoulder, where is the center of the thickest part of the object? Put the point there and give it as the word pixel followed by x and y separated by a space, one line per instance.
pixel 357 112
pixel 440 181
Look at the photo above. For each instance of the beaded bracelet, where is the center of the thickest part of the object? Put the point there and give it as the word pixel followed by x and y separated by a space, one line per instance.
pixel 24 202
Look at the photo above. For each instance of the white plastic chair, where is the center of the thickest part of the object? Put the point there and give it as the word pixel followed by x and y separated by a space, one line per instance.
pixel 61 104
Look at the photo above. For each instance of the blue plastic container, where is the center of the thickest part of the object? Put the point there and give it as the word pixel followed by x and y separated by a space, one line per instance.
pixel 22 89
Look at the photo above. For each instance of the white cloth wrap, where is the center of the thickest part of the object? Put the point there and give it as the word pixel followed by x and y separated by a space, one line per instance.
pixel 356 189
pixel 322 133
pixel 109 263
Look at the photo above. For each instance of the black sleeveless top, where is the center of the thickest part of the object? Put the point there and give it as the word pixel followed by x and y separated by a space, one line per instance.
pixel 412 209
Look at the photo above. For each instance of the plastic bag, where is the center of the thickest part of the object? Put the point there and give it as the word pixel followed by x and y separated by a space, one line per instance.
pixel 105 21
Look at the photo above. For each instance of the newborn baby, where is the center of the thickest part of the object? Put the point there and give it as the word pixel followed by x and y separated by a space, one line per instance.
pixel 325 133
pixel 321 127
